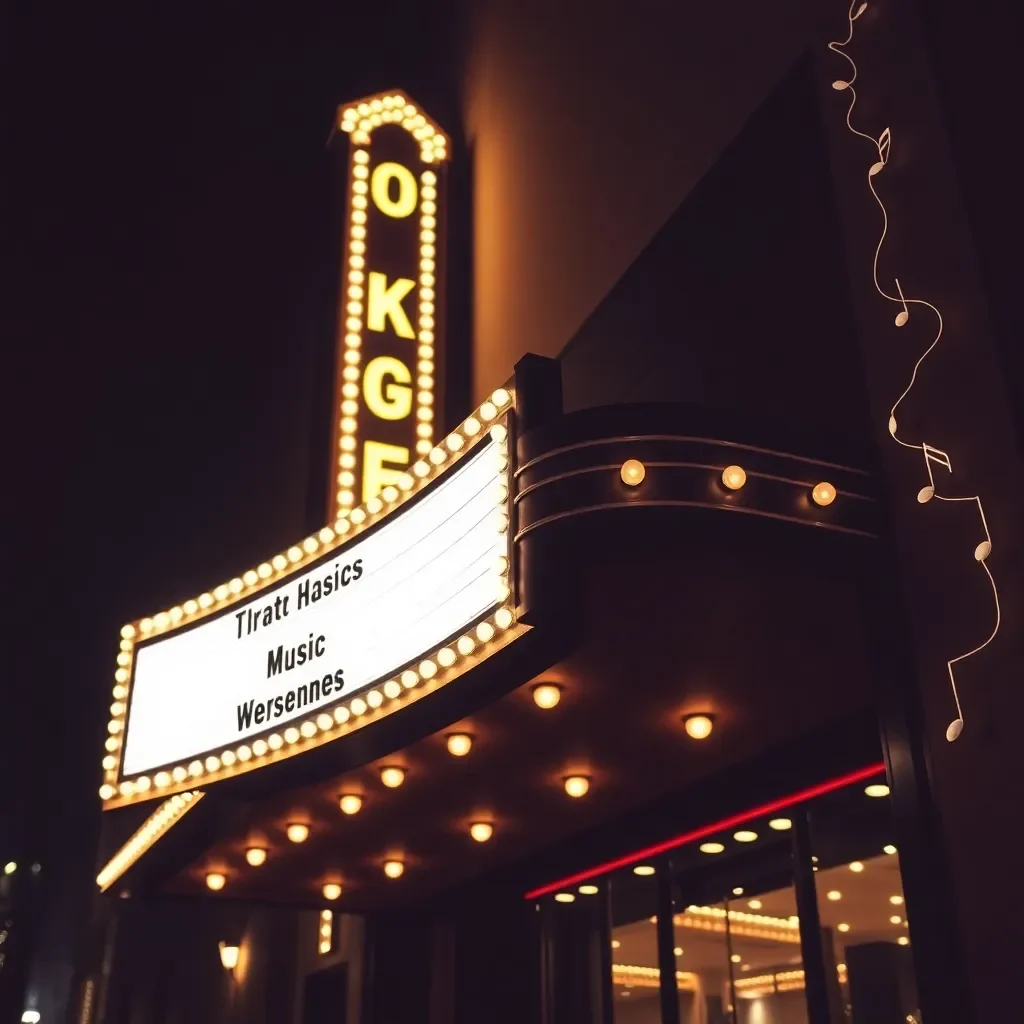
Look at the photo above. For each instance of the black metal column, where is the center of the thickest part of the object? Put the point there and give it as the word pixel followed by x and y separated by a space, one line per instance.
pixel 666 942
pixel 810 923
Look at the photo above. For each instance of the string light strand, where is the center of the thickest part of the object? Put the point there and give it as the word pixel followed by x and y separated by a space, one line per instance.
pixel 883 145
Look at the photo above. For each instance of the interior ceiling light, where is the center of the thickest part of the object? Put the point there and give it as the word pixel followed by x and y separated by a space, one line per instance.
pixel 643 869
pixel 738 891
pixel 896 901
pixel 577 785
pixel 633 472
pixel 823 493
pixel 711 848
pixel 588 890
pixel 256 855
pixel 698 727
pixel 459 744
pixel 780 824
pixel 350 803
pixel 834 895
pixel 856 867
pixel 678 951
pixel 392 776
pixel 903 940
pixel 546 695
pixel 331 890
pixel 755 904
pixel 844 927
pixel 734 477
pixel 889 849
pixel 564 897
pixel 735 958
pixel 297 832
pixel 215 881
pixel 394 868
pixel 877 789
pixel 745 836
pixel 481 831
pixel 895 919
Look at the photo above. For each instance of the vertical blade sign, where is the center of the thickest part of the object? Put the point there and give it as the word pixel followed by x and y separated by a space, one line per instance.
pixel 390 315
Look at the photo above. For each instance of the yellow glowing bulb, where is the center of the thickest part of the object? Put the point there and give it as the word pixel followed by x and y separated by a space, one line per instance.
pixel 394 868
pixel 903 940
pixel 823 493
pixel 698 727
pixel 577 785
pixel 745 836
pixel 643 869
pixel 834 895
pixel 889 849
pixel 350 803
pixel 734 477
pixel 895 919
pixel 547 695
pixel 843 927
pixel 588 890
pixel 228 956
pixel 896 900
pixel 256 855
pixel 564 897
pixel 331 891
pixel 856 867
pixel 633 472
pixel 297 832
pixel 481 831
pixel 780 824
pixel 392 777
pixel 754 904
pixel 459 744
pixel 876 790
pixel 712 848
pixel 215 881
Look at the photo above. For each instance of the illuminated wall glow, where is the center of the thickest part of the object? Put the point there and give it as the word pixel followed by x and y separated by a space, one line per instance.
pixel 485 430
pixel 929 454
pixel 390 314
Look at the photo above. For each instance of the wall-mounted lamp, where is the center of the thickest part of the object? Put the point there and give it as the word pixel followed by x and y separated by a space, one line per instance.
pixel 698 727
pixel 228 956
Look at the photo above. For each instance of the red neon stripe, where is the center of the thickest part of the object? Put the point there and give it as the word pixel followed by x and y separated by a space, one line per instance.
pixel 706 830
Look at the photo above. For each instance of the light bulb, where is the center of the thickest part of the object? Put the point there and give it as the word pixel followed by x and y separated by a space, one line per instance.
pixel 481 831
pixel 834 895
pixel 823 493
pixel 754 904
pixel 215 881
pixel 256 855
pixel 877 789
pixel 547 695
pixel 644 870
pixel 843 927
pixel 331 890
pixel 889 849
pixel 734 477
pixel 392 776
pixel 780 824
pixel 711 848
pixel 589 890
pixel 577 785
pixel 698 727
pixel 564 897
pixel 745 836
pixel 459 744
pixel 228 956
pixel 297 832
pixel 394 868
pixel 632 472
pixel 350 803
pixel 856 867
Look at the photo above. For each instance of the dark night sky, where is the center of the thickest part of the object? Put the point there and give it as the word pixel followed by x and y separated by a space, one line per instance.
pixel 169 227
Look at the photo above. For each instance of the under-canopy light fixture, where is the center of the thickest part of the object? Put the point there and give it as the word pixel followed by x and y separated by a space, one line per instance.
pixel 589 890
pixel 577 785
pixel 297 832
pixel 394 868
pixel 844 927
pixel 834 895
pixel 877 790
pixel 712 848
pixel 734 477
pixel 256 855
pixel 643 869
pixel 823 493
pixel 564 897
pixel 392 776
pixel 546 695
pixel 745 836
pixel 633 472
pixel 481 831
pixel 856 867
pixel 228 956
pixel 780 824
pixel 331 890
pixel 215 881
pixel 698 726
pixel 889 849
pixel 459 744
pixel 350 803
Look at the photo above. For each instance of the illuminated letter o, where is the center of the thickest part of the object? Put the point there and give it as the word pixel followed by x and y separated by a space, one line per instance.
pixel 391 400
pixel 379 189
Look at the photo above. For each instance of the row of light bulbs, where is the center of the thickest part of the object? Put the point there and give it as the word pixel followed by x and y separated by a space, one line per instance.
pixel 733 478
pixel 358 519
pixel 361 119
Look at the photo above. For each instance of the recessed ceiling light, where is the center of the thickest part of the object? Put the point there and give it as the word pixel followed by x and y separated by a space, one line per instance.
pixel 547 695
pixel 745 836
pixel 392 776
pixel 780 824
pixel 678 951
pixel 843 927
pixel 215 881
pixel 394 868
pixel 711 848
pixel 823 493
pixel 643 869
pixel 754 904
pixel 577 785
pixel 856 867
pixel 256 855
pixel 896 900
pixel 297 832
pixel 616 943
pixel 903 940
pixel 735 958
pixel 834 895
pixel 889 849
pixel 481 831
pixel 331 890
pixel 895 919
pixel 350 803
pixel 738 891
pixel 633 472
pixel 877 789
pixel 459 744
pixel 698 727
pixel 564 897
pixel 588 890
pixel 734 477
